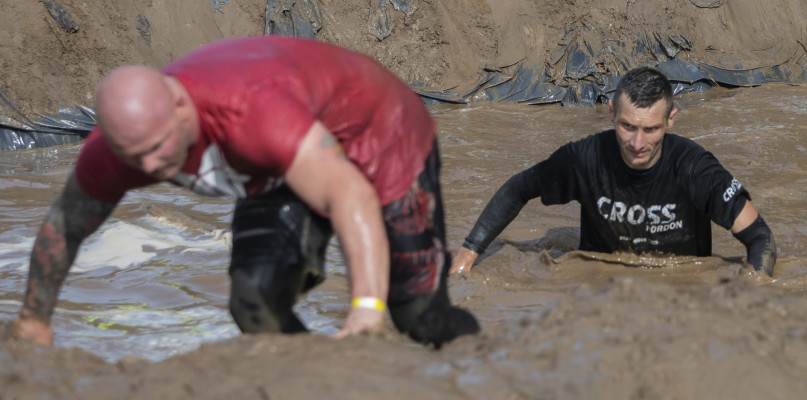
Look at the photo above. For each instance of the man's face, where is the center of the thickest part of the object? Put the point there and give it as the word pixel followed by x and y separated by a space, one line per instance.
pixel 160 153
pixel 640 131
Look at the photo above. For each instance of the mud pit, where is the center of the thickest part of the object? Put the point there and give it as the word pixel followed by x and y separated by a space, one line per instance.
pixel 556 323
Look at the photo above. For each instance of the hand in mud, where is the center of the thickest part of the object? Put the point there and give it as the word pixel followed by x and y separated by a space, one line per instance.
pixel 34 330
pixel 463 261
pixel 361 320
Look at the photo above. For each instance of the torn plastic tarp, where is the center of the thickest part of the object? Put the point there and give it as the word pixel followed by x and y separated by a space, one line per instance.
pixel 533 86
pixel 747 77
pixel 577 72
pixel 68 126
pixel 408 7
pixel 144 28
pixel 218 5
pixel 61 16
pixel 379 23
pixel 708 3
pixel 523 85
pixel 583 71
pixel 296 18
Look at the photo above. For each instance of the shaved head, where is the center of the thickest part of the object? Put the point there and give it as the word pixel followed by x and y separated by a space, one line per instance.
pixel 131 101
pixel 148 119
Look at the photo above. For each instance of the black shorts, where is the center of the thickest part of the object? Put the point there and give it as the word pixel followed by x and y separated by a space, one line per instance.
pixel 278 230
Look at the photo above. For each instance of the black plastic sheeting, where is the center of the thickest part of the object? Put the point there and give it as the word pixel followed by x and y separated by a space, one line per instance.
pixel 579 73
pixel 379 24
pixel 708 3
pixel 18 132
pixel 303 18
pixel 61 16
pixel 68 126
pixel 297 18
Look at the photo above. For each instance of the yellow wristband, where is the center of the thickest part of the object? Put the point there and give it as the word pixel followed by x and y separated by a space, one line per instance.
pixel 372 303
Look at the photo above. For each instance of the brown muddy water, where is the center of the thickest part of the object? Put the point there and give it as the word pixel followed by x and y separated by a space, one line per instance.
pixel 152 283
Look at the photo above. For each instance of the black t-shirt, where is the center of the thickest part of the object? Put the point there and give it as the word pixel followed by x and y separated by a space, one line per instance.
pixel 665 209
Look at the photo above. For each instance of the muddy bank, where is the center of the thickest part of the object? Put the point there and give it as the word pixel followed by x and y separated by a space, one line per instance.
pixel 629 339
pixel 53 54
pixel 442 45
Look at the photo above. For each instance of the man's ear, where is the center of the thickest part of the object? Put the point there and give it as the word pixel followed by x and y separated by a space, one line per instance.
pixel 178 99
pixel 671 118
pixel 611 109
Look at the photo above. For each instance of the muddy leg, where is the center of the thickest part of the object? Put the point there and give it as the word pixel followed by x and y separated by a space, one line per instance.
pixel 419 263
pixel 278 253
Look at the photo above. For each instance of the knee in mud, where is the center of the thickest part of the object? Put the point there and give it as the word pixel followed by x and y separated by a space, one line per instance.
pixel 248 307
pixel 433 320
pixel 441 327
pixel 260 304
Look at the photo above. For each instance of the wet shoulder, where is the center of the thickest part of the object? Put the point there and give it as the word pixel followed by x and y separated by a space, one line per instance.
pixel 679 149
pixel 592 146
pixel 587 155
pixel 686 157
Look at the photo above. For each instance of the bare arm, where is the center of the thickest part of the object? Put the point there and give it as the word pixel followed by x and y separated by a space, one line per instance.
pixel 328 182
pixel 750 229
pixel 72 218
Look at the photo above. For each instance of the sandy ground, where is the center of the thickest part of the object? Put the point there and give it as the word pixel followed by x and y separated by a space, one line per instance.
pixel 760 341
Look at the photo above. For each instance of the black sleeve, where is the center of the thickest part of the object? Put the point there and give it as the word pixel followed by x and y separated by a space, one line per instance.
pixel 715 191
pixel 503 208
pixel 759 243
pixel 556 180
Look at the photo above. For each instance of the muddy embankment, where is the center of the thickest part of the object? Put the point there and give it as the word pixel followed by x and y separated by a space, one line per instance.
pixel 53 54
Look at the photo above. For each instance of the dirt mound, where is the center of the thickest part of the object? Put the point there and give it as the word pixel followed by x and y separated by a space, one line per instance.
pixel 439 44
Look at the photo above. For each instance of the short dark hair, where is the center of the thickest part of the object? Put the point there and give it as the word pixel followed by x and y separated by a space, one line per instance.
pixel 644 86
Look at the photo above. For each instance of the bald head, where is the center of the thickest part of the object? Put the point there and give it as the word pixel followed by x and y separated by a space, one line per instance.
pixel 147 118
pixel 130 102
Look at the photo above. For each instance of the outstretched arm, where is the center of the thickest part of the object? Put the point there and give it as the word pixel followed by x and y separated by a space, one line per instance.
pixel 72 218
pixel 750 229
pixel 329 182
pixel 500 211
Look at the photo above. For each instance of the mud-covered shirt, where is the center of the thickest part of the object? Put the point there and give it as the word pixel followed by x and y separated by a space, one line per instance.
pixel 256 99
pixel 665 209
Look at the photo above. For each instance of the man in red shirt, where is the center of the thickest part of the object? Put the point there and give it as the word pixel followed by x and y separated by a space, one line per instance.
pixel 311 139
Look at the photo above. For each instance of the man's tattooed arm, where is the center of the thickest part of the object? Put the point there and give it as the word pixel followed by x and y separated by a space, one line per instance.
pixel 72 218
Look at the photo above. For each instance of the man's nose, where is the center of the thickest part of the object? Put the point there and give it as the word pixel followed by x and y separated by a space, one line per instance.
pixel 638 141
pixel 150 164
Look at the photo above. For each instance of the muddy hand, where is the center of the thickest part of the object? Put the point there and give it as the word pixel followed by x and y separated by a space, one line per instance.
pixel 34 330
pixel 361 320
pixel 463 261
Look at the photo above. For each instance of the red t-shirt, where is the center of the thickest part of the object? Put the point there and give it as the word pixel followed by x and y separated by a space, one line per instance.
pixel 257 97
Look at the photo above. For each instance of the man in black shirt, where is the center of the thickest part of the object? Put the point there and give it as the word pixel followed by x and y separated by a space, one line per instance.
pixel 640 189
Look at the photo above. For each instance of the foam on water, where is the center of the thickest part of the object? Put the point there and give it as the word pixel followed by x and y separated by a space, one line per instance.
pixel 122 245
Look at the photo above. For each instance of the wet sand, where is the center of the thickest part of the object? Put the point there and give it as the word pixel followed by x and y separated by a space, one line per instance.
pixel 151 286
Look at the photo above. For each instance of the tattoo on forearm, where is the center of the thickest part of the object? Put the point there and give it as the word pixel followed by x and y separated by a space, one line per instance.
pixel 72 218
